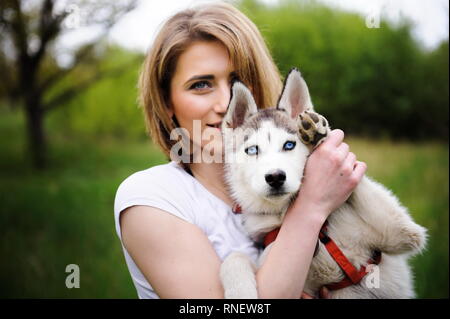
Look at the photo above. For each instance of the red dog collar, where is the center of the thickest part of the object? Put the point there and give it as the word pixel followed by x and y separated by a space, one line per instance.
pixel 352 275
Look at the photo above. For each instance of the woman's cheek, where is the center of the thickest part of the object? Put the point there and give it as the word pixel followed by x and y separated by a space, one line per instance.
pixel 198 106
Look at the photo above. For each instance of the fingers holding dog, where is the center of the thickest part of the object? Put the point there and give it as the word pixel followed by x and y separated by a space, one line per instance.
pixel 359 170
pixel 342 152
pixel 333 147
pixel 331 174
pixel 335 137
pixel 348 164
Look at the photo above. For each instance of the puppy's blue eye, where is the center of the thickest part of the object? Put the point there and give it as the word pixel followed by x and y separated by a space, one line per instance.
pixel 288 146
pixel 252 150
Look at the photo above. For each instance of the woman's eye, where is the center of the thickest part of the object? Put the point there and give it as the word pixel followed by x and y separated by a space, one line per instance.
pixel 252 150
pixel 288 146
pixel 200 85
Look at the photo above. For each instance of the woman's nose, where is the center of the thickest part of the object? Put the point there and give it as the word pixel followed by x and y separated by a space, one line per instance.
pixel 223 99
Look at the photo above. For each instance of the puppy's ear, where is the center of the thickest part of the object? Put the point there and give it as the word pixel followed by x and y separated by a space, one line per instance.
pixel 241 106
pixel 295 96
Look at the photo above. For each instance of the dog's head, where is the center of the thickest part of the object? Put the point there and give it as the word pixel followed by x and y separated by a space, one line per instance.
pixel 264 155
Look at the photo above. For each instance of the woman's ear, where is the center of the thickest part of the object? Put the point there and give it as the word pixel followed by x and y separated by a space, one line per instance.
pixel 169 110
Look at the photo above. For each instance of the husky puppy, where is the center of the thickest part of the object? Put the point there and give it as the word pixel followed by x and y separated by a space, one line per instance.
pixel 265 154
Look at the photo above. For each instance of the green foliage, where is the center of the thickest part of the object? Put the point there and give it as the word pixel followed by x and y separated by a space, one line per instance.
pixel 369 81
pixel 108 107
pixel 65 215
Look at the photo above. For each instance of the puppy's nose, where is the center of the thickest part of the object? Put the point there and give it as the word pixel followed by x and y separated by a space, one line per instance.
pixel 275 178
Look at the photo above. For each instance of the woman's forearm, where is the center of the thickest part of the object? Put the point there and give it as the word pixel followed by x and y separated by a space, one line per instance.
pixel 284 271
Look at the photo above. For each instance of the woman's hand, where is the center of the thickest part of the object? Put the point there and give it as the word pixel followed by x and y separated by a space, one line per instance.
pixel 331 174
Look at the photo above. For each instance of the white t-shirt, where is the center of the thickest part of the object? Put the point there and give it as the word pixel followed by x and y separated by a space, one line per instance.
pixel 170 188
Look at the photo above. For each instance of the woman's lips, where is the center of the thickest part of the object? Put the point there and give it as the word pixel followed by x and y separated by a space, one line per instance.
pixel 216 126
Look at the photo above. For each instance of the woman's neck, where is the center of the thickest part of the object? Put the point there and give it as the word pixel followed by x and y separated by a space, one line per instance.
pixel 211 177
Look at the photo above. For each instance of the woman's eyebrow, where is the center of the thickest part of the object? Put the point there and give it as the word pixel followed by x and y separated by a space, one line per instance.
pixel 201 77
pixel 207 77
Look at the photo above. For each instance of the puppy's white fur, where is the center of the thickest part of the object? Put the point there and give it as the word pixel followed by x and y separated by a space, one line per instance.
pixel 371 219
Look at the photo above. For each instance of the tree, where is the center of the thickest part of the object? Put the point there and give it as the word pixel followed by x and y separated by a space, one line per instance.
pixel 378 82
pixel 28 32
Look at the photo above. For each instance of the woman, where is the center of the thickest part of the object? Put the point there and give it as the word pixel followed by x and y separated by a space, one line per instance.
pixel 175 221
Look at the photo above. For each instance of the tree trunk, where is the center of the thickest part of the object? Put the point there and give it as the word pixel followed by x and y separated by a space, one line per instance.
pixel 36 137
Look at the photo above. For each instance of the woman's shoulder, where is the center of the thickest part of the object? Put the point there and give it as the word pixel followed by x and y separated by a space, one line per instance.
pixel 166 187
pixel 154 172
pixel 157 177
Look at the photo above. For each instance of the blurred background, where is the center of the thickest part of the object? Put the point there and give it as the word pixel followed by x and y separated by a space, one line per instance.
pixel 71 130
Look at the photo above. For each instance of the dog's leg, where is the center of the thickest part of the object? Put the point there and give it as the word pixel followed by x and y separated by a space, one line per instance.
pixel 237 273
pixel 395 230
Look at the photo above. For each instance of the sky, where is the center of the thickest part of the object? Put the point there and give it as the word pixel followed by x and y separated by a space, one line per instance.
pixel 137 29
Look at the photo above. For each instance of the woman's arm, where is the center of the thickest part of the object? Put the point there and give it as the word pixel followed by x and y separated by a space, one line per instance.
pixel 178 260
pixel 331 174
pixel 175 256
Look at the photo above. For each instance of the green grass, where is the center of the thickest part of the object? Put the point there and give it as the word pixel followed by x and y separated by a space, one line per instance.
pixel 418 175
pixel 65 215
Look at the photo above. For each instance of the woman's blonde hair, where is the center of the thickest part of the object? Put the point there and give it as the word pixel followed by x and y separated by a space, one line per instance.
pixel 212 22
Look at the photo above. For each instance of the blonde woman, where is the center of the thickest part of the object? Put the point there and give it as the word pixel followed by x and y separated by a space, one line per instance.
pixel 175 221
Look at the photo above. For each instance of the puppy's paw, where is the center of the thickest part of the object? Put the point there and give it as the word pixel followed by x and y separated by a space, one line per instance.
pixel 416 236
pixel 237 274
pixel 408 239
pixel 313 128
